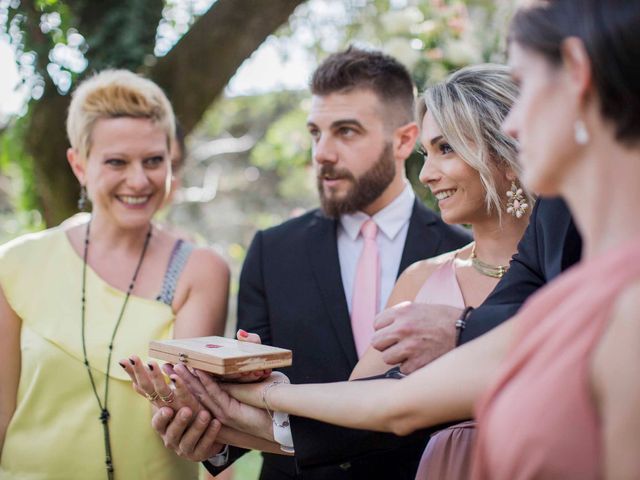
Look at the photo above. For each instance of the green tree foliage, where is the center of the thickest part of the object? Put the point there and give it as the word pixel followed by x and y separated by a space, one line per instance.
pixel 431 38
pixel 58 42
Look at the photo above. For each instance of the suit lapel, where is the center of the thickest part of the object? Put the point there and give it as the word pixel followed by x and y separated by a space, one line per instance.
pixel 422 242
pixel 322 250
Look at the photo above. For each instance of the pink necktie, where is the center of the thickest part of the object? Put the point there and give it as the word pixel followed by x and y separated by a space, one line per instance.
pixel 366 289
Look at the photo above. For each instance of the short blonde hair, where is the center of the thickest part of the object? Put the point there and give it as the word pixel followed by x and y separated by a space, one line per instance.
pixel 469 108
pixel 113 94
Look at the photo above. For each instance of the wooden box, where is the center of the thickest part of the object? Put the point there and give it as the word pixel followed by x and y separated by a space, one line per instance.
pixel 220 355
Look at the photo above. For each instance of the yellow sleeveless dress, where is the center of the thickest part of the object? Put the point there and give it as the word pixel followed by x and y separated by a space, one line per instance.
pixel 55 432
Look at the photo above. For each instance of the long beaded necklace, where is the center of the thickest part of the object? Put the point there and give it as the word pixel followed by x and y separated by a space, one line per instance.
pixel 494 271
pixel 104 411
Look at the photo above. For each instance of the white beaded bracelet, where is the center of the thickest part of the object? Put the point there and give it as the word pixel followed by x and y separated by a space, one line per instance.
pixel 268 408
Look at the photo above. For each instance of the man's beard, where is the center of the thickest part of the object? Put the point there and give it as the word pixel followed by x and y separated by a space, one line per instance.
pixel 364 190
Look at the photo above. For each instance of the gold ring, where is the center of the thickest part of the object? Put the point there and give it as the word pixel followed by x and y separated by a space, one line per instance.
pixel 152 397
pixel 168 398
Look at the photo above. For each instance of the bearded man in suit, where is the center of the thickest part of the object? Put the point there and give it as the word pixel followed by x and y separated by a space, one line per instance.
pixel 300 279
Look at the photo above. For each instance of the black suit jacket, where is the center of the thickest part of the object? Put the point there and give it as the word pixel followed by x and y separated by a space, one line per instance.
pixel 291 294
pixel 550 245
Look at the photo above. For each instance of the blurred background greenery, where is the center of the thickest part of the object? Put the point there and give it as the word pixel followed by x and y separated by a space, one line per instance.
pixel 236 72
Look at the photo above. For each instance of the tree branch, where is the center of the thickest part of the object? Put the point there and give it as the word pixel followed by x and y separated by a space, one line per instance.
pixel 197 69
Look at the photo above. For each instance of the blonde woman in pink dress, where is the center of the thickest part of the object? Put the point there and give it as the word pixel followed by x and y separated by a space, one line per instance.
pixel 469 174
pixel 556 389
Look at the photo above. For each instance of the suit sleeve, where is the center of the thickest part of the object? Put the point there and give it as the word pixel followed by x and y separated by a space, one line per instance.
pixel 234 454
pixel 318 443
pixel 525 276
pixel 253 317
pixel 253 309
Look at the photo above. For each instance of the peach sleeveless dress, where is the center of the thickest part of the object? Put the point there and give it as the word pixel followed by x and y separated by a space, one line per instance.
pixel 538 419
pixel 449 451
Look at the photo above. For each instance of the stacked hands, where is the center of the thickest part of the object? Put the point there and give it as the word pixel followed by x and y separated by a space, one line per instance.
pixel 412 334
pixel 194 414
pixel 197 413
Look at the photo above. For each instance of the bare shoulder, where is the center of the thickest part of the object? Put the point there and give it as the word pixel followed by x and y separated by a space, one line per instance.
pixel 422 269
pixel 203 264
pixel 627 308
pixel 616 385
pixel 206 263
pixel 617 350
pixel 75 228
pixel 624 324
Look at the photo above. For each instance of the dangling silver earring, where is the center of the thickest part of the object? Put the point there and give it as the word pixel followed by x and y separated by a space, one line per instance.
pixel 580 132
pixel 516 202
pixel 82 200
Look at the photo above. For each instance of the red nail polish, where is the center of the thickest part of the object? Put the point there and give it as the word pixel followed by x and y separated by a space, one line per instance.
pixel 132 361
pixel 242 333
pixel 121 364
pixel 150 366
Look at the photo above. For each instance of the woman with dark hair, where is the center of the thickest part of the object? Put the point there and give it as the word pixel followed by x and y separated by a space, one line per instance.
pixel 556 390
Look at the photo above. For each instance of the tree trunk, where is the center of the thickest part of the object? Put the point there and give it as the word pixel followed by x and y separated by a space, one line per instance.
pixel 192 74
pixel 47 144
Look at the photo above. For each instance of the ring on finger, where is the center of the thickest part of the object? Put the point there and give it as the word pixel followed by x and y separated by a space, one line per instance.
pixel 152 397
pixel 168 398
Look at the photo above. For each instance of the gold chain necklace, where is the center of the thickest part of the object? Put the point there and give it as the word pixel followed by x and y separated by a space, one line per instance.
pixel 494 271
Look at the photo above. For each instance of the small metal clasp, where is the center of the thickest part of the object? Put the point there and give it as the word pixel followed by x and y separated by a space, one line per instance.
pixel 183 357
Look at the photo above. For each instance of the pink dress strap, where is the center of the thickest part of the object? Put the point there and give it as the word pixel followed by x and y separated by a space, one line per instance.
pixel 442 287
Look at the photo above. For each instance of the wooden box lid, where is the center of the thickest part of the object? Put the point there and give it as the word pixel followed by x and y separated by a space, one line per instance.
pixel 220 355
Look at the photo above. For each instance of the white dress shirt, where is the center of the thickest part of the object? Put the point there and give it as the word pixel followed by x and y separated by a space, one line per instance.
pixel 393 225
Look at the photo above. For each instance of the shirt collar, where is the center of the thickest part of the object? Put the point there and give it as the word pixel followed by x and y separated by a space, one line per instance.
pixel 389 220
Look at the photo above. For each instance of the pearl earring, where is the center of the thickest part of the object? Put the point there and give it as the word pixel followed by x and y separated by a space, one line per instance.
pixel 516 202
pixel 580 133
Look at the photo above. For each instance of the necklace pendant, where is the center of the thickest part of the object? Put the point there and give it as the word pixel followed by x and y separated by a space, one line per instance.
pixel 104 415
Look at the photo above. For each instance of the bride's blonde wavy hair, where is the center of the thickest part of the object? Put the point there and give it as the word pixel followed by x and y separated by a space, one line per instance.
pixel 469 108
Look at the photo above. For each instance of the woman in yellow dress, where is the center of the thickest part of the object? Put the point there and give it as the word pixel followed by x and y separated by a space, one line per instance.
pixel 76 298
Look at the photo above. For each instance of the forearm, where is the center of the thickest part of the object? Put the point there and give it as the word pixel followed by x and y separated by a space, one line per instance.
pixel 443 391
pixel 236 438
pixel 359 405
pixel 379 405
